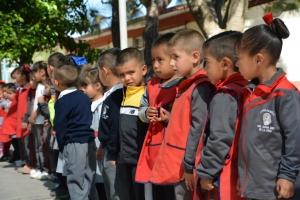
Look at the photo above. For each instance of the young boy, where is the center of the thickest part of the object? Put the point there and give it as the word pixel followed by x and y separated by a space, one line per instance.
pixel 176 158
pixel 132 131
pixel 159 96
pixel 217 165
pixel 109 118
pixel 75 138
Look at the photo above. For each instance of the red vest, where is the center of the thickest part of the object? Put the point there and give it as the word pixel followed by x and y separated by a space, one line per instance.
pixel 13 121
pixel 168 167
pixel 233 85
pixel 158 97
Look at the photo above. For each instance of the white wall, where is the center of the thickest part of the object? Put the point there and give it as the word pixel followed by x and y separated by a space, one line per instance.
pixel 290 55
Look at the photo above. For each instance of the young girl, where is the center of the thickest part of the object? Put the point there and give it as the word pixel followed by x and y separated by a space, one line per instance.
pixel 94 89
pixel 37 120
pixel 269 154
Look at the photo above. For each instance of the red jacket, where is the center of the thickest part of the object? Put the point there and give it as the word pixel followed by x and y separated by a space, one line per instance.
pixel 227 180
pixel 158 97
pixel 13 121
pixel 168 167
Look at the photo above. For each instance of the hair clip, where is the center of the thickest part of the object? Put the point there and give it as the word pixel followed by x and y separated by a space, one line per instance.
pixel 268 18
pixel 79 60
pixel 27 68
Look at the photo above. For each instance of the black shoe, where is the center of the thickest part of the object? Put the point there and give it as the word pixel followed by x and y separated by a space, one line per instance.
pixel 13 159
pixel 59 192
pixel 4 158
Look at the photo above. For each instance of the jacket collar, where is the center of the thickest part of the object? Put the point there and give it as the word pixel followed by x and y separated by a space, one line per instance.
pixel 187 82
pixel 67 91
pixel 234 78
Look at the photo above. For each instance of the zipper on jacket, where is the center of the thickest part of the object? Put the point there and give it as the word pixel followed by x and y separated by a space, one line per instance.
pixel 243 148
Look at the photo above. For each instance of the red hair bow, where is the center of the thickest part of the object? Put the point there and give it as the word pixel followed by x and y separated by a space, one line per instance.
pixel 268 18
pixel 26 67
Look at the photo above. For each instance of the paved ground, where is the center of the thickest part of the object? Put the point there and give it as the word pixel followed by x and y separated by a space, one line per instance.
pixel 15 186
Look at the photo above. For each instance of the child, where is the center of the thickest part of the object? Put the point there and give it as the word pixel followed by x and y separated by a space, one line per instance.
pixel 39 71
pixel 2 114
pixel 269 154
pixel 217 166
pixel 176 157
pixel 75 138
pixel 132 131
pixel 94 89
pixel 159 95
pixel 109 118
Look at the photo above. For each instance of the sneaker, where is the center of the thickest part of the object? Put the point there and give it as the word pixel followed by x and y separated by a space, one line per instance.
pixel 43 176
pixel 13 159
pixel 4 158
pixel 36 175
pixel 24 170
pixel 19 163
pixel 33 171
pixel 51 177
pixel 59 192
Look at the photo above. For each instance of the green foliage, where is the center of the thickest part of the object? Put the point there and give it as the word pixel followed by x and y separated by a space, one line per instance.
pixel 28 26
pixel 279 6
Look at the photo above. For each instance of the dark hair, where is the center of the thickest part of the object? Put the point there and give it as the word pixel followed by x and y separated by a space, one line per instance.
pixel 54 58
pixel 24 69
pixel 11 86
pixel 47 81
pixel 66 74
pixel 264 37
pixel 162 40
pixel 14 71
pixel 129 54
pixel 222 45
pixel 108 59
pixel 2 84
pixel 67 59
pixel 41 65
pixel 92 76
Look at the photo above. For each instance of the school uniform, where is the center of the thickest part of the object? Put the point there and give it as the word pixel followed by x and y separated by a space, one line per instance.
pixel 217 151
pixel 132 133
pixel 108 136
pixel 159 96
pixel 75 139
pixel 269 139
pixel 182 137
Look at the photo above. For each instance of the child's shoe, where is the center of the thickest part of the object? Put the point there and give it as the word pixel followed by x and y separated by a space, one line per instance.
pixel 4 158
pixel 52 177
pixel 36 175
pixel 33 171
pixel 13 159
pixel 60 192
pixel 43 176
pixel 19 163
pixel 24 170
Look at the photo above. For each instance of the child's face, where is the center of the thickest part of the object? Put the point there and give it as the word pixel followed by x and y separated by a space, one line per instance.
pixel 50 70
pixel 10 94
pixel 131 73
pixel 47 90
pixel 247 65
pixel 181 61
pixel 5 92
pixel 161 62
pixel 19 78
pixel 13 76
pixel 103 75
pixel 213 68
pixel 91 90
pixel 39 75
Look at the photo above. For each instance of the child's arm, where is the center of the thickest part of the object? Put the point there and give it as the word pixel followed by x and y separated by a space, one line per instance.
pixel 43 109
pixel 32 117
pixel 25 120
pixel 223 115
pixel 144 108
pixel 60 123
pixel 199 104
pixel 289 117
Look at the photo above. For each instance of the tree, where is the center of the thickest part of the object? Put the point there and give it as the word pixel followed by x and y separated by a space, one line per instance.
pixel 32 25
pixel 215 16
pixel 279 6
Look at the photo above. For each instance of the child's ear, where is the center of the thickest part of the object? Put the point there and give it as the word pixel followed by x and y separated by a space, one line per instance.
pixel 259 58
pixel 227 63
pixel 105 70
pixel 196 57
pixel 144 69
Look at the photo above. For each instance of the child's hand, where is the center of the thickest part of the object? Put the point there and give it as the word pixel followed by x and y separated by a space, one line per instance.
pixel 189 181
pixel 113 162
pixel 53 133
pixel 151 113
pixel 6 110
pixel 284 188
pixel 164 115
pixel 31 120
pixel 206 184
pixel 24 126
pixel 99 154
pixel 41 99
pixel 46 123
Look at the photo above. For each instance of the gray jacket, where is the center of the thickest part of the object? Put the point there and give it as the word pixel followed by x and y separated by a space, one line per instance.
pixel 269 146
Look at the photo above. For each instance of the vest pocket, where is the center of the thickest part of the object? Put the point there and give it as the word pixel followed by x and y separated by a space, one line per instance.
pixel 176 147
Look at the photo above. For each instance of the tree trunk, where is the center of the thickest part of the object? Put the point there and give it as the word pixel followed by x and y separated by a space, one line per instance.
pixel 236 18
pixel 150 34
pixel 115 24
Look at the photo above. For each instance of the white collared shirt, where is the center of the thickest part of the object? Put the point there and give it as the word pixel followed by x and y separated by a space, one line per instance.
pixel 40 90
pixel 111 90
pixel 67 91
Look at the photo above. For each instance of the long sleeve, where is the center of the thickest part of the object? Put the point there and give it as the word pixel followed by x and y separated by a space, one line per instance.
pixel 143 107
pixel 27 114
pixel 289 117
pixel 44 110
pixel 223 114
pixel 200 100
pixel 60 122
